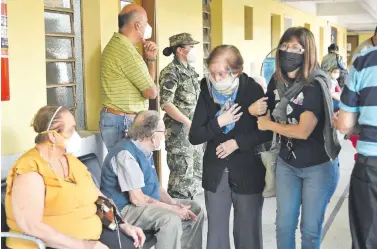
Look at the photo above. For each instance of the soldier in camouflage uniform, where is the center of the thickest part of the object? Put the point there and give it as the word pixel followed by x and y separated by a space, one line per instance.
pixel 179 92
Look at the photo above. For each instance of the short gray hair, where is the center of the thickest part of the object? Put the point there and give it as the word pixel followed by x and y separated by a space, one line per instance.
pixel 144 126
pixel 126 18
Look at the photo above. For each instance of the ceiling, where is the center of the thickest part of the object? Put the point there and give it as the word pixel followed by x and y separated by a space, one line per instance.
pixel 356 15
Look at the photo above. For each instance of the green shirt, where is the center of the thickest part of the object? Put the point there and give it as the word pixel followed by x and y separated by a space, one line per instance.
pixel 124 76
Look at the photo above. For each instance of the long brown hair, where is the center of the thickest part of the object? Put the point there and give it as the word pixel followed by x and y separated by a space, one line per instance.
pixel 306 38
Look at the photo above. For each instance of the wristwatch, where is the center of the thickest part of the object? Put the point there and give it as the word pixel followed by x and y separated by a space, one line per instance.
pixel 150 60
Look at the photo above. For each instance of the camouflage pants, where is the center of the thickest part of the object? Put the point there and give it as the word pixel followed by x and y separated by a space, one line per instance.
pixel 185 179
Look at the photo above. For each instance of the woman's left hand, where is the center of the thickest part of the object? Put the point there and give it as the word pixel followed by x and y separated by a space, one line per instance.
pixel 227 148
pixel 264 121
pixel 136 233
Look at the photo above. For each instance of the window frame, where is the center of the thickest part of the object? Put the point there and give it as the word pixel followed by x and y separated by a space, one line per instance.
pixel 75 36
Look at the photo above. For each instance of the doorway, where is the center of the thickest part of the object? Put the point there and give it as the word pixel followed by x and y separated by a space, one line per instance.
pixel 150 8
pixel 352 44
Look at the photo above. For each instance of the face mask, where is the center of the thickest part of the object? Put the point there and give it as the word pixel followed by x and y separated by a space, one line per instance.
pixel 73 143
pixel 157 147
pixel 226 86
pixel 289 62
pixel 147 32
pixel 335 76
pixel 191 56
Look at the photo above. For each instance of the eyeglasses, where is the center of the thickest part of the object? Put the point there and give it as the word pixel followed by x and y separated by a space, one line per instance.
pixel 164 131
pixel 292 49
pixel 222 75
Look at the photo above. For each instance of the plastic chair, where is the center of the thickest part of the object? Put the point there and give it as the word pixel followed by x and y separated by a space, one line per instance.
pixel 5 229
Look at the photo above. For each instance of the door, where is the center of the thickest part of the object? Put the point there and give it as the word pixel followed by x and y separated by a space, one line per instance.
pixel 352 44
pixel 150 8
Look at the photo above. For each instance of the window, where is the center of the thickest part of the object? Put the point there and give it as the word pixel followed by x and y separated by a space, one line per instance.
pixel 248 23
pixel 64 72
pixel 206 33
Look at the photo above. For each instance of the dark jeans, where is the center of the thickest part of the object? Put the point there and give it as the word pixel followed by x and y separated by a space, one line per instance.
pixel 363 203
pixel 247 227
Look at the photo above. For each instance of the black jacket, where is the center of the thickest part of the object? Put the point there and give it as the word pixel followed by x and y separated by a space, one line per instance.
pixel 246 171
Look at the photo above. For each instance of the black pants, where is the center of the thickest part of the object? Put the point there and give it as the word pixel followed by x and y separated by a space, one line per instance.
pixel 363 203
pixel 110 238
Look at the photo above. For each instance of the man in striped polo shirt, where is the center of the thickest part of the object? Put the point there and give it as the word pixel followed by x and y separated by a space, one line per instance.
pixel 359 106
pixel 127 82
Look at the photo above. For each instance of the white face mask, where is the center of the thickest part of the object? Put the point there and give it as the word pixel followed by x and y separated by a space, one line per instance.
pixel 226 86
pixel 147 32
pixel 159 146
pixel 191 56
pixel 335 76
pixel 73 143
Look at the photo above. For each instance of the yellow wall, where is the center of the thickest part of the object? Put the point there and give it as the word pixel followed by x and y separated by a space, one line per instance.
pixel 103 14
pixel 276 30
pixel 321 41
pixel 254 51
pixel 363 37
pixel 217 23
pixel 176 16
pixel 109 19
pixel 27 75
pixel 27 66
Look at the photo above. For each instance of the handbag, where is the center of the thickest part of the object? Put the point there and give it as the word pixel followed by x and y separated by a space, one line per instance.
pixel 269 153
pixel 108 213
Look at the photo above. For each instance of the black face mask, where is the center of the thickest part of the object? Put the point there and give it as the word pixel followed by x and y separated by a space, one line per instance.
pixel 289 62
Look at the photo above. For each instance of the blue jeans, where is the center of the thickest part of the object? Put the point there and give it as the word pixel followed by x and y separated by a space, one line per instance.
pixel 309 188
pixel 336 162
pixel 113 128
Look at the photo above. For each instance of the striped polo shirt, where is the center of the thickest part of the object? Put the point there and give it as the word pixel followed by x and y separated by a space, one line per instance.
pixel 124 76
pixel 360 95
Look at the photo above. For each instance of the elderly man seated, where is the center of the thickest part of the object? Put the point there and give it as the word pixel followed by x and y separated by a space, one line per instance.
pixel 129 178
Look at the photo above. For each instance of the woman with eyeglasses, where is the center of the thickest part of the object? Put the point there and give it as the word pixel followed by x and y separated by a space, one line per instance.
pixel 51 195
pixel 232 174
pixel 300 101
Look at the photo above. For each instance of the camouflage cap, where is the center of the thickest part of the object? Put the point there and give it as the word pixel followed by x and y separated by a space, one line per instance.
pixel 183 38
